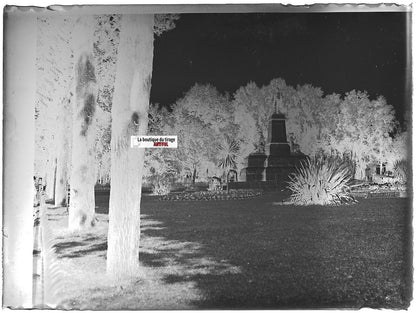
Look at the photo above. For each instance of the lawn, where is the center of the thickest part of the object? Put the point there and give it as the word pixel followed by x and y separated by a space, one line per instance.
pixel 249 254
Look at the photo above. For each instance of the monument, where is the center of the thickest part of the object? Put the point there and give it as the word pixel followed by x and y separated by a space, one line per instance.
pixel 278 162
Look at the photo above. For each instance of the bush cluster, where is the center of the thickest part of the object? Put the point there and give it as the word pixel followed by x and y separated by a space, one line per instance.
pixel 160 184
pixel 401 171
pixel 161 188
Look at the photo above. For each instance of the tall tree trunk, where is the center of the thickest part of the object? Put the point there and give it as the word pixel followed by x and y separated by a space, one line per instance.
pixel 228 179
pixel 61 178
pixel 50 177
pixel 19 128
pixel 129 117
pixel 63 155
pixel 381 163
pixel 194 176
pixel 360 166
pixel 82 204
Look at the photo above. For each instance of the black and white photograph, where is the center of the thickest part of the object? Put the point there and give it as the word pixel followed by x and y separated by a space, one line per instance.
pixel 207 157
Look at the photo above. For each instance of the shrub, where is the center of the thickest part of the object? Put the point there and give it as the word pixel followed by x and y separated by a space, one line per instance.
pixel 161 187
pixel 214 184
pixel 321 181
pixel 161 183
pixel 382 179
pixel 401 171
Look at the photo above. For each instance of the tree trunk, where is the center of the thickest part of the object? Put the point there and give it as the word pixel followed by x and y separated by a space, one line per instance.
pixel 129 117
pixel 381 163
pixel 194 176
pixel 19 128
pixel 61 178
pixel 50 178
pixel 360 166
pixel 82 204
pixel 63 155
pixel 228 174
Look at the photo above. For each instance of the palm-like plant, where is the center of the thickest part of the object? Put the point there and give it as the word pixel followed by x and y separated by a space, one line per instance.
pixel 401 171
pixel 321 181
pixel 227 154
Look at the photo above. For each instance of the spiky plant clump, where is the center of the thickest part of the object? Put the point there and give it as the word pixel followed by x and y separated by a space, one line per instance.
pixel 321 181
pixel 400 170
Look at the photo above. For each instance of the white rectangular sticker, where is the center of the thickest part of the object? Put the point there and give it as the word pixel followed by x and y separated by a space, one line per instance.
pixel 154 141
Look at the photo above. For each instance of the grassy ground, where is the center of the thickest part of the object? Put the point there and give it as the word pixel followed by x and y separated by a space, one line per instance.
pixel 249 254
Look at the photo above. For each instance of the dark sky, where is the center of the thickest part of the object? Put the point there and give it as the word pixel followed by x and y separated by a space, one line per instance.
pixel 335 51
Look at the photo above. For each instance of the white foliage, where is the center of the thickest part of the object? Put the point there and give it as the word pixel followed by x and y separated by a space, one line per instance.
pixel 54 78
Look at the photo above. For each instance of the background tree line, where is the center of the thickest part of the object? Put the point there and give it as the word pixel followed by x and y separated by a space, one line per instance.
pixel 352 126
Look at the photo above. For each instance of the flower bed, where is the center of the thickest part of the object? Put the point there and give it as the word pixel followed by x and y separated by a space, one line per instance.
pixel 379 190
pixel 212 195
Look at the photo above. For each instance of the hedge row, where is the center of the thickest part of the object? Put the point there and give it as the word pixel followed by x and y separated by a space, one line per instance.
pixel 212 195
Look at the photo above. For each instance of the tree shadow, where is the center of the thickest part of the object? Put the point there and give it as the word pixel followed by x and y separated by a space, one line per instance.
pixel 80 245
pixel 91 249
pixel 62 247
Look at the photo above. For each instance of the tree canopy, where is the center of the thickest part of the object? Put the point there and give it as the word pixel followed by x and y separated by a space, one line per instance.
pixel 352 125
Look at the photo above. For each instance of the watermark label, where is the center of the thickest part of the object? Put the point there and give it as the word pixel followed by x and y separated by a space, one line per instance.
pixel 154 141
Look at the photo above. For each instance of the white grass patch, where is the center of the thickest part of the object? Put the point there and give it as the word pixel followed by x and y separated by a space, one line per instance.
pixel 146 222
pixel 286 202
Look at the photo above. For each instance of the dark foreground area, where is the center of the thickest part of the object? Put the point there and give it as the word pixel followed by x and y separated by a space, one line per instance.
pixel 289 256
